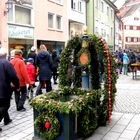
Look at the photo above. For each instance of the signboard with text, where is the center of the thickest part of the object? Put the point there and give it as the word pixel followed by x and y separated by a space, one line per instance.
pixel 20 32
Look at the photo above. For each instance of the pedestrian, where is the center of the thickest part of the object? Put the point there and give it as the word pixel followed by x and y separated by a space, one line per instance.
pixel 125 63
pixel 55 62
pixel 44 64
pixel 32 54
pixel 31 73
pixel 12 53
pixel 20 67
pixel 7 76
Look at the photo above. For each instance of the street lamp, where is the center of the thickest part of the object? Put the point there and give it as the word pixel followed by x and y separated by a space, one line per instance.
pixel 8 4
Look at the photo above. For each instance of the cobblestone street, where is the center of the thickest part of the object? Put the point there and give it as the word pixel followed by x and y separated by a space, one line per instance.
pixel 128 95
pixel 124 125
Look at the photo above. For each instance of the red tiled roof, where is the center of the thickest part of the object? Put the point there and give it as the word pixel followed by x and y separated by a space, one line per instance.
pixel 128 8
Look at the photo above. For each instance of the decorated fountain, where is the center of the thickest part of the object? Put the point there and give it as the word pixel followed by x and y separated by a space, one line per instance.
pixel 86 93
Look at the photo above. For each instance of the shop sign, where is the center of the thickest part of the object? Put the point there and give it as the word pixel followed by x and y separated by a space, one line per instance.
pixel 20 32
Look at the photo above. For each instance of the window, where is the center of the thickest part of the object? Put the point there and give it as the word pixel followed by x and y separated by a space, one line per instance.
pixel 50 20
pixel 73 5
pixel 111 32
pixel 22 15
pixel 127 27
pixel 57 1
pixel 58 22
pixel 80 6
pixel 135 39
pixel 134 27
pixel 97 4
pixel 129 39
pixel 111 13
pixel 102 6
pixel 136 18
pixel 96 30
pixel 102 32
pixel 108 11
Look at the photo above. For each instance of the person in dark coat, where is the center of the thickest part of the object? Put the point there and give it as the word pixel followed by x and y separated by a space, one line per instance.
pixel 7 76
pixel 55 62
pixel 32 54
pixel 44 63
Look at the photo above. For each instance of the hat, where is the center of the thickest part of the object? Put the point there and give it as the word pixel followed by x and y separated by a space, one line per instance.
pixel 17 51
pixel 33 48
pixel 124 54
pixel 3 51
pixel 30 60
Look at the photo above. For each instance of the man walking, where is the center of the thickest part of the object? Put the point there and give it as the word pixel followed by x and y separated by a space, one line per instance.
pixel 7 76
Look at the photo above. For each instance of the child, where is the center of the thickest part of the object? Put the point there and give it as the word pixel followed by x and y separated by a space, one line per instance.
pixel 31 73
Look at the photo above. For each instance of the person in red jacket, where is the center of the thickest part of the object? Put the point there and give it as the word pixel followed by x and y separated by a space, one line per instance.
pixel 20 68
pixel 31 73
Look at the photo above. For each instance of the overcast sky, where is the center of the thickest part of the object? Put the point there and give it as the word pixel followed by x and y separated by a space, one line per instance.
pixel 119 3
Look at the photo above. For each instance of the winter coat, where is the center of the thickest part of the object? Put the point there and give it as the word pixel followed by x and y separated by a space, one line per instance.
pixel 33 55
pixel 7 76
pixel 44 62
pixel 21 71
pixel 125 59
pixel 55 61
pixel 31 71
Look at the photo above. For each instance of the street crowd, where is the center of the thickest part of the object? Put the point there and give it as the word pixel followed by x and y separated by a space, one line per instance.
pixel 18 77
pixel 124 59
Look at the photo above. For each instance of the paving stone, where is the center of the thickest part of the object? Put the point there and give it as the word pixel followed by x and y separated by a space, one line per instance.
pixel 118 128
pixel 102 130
pixel 125 119
pixel 128 134
pixel 133 127
pixel 111 136
pixel 95 137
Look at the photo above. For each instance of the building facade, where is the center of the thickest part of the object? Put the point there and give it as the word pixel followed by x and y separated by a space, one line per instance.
pixel 51 25
pixel 76 17
pixel 18 27
pixel 101 20
pixel 118 34
pixel 131 32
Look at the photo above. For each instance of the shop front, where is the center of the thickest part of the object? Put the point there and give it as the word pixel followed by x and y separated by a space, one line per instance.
pixel 20 37
pixel 51 45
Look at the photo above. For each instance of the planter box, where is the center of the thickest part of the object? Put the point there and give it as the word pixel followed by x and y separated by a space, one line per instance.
pixel 67 126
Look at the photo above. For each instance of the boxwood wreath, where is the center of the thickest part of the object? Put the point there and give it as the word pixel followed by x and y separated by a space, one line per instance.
pixel 46 125
pixel 97 102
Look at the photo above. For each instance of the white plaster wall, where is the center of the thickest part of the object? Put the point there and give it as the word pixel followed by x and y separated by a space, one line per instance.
pixel 75 15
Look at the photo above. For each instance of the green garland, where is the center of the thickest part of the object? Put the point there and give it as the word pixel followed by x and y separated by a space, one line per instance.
pixel 53 131
pixel 69 100
pixel 96 48
pixel 64 100
pixel 86 103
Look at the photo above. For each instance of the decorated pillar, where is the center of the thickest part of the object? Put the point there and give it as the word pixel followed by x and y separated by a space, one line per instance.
pixel 84 60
